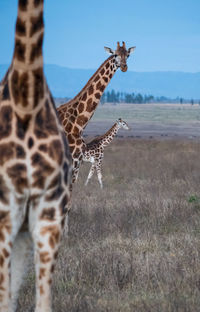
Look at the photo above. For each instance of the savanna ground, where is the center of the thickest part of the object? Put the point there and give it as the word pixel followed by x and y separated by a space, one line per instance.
pixel 135 245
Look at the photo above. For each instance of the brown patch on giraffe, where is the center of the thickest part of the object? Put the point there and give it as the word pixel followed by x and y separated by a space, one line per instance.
pixel 5 252
pixel 72 119
pixel 45 122
pixel 30 142
pixel 18 175
pixel 38 2
pixel 20 27
pixel 22 125
pixel 84 97
pixel 76 131
pixel 97 95
pixel 54 236
pixel 50 281
pixel 43 148
pixel 55 151
pixel 105 79
pixel 55 194
pixel 43 170
pixel 48 214
pixel 55 181
pixel 1 260
pixel 102 71
pixel 68 127
pixel 91 107
pixel 9 151
pixel 107 65
pixel 42 273
pixel 79 142
pixel 37 24
pixel 81 107
pixel 44 256
pixel 71 111
pixel 41 290
pixel 90 90
pixel 97 78
pixel 40 245
pixel 23 5
pixel 56 255
pixel 5 121
pixel 4 224
pixel 110 76
pixel 70 139
pixel 108 72
pixel 6 92
pixel 98 86
pixel 52 268
pixel 20 50
pixel 63 205
pixel 19 85
pixel 36 49
pixel 38 85
pixel 81 120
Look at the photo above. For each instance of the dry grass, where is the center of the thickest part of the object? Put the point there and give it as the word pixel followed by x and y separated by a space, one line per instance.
pixel 135 245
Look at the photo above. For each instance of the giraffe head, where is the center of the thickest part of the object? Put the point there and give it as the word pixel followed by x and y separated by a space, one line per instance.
pixel 122 124
pixel 121 54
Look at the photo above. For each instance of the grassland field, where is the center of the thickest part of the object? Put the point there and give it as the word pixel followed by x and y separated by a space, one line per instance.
pixel 135 245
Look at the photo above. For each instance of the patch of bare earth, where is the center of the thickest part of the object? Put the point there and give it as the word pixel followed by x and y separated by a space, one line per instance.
pixel 133 246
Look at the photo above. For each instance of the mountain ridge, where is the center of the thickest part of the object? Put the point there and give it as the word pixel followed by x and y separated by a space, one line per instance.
pixel 67 82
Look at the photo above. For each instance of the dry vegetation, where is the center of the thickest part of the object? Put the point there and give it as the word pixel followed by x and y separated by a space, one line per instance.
pixel 135 245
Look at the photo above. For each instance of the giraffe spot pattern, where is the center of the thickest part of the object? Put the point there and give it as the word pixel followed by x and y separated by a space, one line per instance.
pixel 5 121
pixel 18 175
pixel 19 85
pixel 37 24
pixel 45 122
pixel 22 125
pixel 20 50
pixel 6 92
pixel 48 214
pixel 30 142
pixel 4 196
pixel 20 27
pixel 42 170
pixel 38 85
pixel 23 5
pixel 36 49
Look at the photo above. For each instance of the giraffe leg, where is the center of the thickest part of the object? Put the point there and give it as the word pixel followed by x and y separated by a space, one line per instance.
pixel 99 175
pixel 19 263
pixel 91 172
pixel 46 233
pixel 11 220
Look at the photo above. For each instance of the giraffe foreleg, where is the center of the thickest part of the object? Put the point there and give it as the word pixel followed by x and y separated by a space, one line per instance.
pixel 91 172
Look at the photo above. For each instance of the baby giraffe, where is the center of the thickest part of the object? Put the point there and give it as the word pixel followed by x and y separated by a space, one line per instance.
pixel 95 149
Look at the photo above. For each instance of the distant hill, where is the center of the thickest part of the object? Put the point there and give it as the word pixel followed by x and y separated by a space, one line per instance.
pixel 67 82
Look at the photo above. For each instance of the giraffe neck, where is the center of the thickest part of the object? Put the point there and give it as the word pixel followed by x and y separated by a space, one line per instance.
pixel 107 138
pixel 27 81
pixel 82 107
pixel 29 35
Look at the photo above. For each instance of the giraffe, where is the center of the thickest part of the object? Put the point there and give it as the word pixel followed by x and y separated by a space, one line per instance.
pixel 94 151
pixel 35 166
pixel 76 113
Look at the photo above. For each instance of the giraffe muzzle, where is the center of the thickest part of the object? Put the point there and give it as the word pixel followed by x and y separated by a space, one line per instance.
pixel 124 68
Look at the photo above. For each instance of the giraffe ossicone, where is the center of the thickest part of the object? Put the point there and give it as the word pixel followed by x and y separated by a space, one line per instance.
pixel 35 166
pixel 76 113
pixel 94 151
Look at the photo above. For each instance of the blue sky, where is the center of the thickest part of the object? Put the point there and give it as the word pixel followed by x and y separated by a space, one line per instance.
pixel 166 33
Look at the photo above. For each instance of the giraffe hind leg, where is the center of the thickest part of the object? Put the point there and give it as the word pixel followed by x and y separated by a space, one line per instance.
pixel 91 172
pixel 99 174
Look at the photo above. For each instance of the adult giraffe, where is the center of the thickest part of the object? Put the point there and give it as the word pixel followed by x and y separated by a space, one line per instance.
pixel 76 113
pixel 35 166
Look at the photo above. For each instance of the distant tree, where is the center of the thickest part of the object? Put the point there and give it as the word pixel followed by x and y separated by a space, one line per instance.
pixel 181 101
pixel 192 102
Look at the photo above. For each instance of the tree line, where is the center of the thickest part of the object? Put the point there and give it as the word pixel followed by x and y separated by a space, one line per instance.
pixel 123 97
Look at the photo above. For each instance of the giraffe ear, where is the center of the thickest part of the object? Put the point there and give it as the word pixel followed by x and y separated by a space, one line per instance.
pixel 131 50
pixel 109 50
